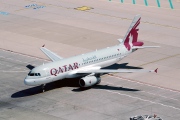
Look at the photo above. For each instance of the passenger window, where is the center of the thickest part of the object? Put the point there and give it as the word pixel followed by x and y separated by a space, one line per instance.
pixel 39 74
pixel 36 74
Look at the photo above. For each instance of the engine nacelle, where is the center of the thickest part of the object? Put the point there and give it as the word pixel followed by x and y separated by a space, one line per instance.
pixel 89 81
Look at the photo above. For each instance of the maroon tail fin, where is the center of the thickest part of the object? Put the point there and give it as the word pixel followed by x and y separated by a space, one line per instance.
pixel 131 36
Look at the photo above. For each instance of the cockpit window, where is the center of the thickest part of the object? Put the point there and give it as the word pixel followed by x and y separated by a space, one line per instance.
pixel 31 74
pixel 34 74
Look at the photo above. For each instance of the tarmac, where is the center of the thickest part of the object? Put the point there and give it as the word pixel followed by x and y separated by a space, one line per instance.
pixel 75 27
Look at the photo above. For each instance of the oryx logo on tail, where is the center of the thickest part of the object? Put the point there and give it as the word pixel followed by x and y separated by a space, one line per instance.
pixel 131 36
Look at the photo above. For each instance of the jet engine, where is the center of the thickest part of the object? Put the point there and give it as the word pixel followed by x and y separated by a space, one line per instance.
pixel 89 81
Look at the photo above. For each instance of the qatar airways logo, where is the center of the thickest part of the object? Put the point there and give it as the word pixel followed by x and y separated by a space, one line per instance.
pixel 132 36
pixel 89 58
pixel 65 68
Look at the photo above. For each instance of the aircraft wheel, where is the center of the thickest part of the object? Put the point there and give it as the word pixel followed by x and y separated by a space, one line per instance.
pixel 43 87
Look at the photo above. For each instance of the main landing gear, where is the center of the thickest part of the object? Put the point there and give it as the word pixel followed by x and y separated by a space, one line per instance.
pixel 43 87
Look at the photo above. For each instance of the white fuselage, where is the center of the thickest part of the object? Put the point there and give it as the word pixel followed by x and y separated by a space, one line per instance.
pixel 64 68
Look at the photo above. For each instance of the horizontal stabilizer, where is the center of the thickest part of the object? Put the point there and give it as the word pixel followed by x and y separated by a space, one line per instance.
pixel 120 40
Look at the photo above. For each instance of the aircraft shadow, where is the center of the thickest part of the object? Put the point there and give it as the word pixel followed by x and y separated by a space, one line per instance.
pixel 105 87
pixel 122 66
pixel 73 83
pixel 50 86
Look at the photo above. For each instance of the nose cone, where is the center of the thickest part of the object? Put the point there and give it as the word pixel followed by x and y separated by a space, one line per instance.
pixel 29 81
pixel 26 81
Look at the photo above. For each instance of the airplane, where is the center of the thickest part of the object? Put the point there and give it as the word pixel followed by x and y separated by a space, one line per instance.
pixel 88 66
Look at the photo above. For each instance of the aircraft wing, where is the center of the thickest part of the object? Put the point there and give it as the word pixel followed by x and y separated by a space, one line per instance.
pixel 53 56
pixel 141 47
pixel 99 71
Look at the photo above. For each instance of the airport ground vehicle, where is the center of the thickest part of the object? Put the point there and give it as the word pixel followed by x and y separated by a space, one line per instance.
pixel 145 117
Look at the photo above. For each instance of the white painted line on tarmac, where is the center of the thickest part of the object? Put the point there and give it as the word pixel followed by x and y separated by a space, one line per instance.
pixel 29 56
pixel 142 99
pixel 25 55
pixel 2 56
pixel 11 66
pixel 5 65
pixel 10 58
pixel 143 91
pixel 18 60
pixel 8 65
pixel 17 68
pixel 23 62
pixel 118 77
pixel 160 95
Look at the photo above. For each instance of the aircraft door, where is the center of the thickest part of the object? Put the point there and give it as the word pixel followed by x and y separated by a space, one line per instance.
pixel 47 72
pixel 48 76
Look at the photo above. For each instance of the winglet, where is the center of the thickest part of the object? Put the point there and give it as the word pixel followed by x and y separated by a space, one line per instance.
pixel 43 45
pixel 156 70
